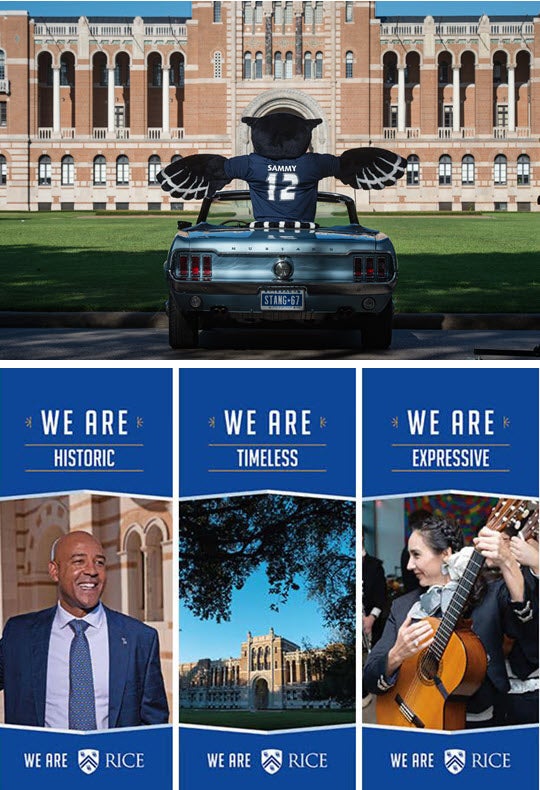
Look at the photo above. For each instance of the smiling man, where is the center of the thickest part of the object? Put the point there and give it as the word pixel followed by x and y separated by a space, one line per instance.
pixel 80 665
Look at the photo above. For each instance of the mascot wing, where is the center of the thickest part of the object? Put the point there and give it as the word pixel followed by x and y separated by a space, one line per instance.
pixel 371 168
pixel 194 177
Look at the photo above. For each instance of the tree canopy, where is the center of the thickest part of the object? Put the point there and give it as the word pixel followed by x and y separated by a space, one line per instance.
pixel 298 540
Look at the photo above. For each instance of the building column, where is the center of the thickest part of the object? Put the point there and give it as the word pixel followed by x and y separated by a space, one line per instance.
pixel 110 99
pixel 511 98
pixel 456 120
pixel 165 124
pixel 56 99
pixel 401 99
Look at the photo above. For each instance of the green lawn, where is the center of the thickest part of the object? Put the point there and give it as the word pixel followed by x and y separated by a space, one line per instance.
pixel 267 720
pixel 77 261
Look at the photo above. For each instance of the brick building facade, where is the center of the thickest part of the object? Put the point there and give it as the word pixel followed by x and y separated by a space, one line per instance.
pixel 270 673
pixel 92 108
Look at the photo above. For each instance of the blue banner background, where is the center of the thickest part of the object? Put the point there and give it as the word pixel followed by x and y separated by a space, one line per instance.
pixel 204 394
pixel 337 743
pixel 146 394
pixel 520 743
pixel 155 743
pixel 388 394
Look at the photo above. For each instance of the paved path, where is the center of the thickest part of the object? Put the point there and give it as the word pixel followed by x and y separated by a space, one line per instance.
pixel 151 343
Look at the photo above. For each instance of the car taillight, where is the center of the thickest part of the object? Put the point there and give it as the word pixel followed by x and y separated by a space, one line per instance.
pixel 191 267
pixel 370 268
pixel 183 267
pixel 195 267
pixel 207 267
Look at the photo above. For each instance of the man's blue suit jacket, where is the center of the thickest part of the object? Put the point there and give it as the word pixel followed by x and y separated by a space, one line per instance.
pixel 136 691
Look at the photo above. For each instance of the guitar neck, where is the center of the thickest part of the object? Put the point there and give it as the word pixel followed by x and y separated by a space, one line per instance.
pixel 507 512
pixel 457 605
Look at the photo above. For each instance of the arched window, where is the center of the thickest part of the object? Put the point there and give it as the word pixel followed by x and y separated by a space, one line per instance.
pixel 349 11
pixel 175 157
pixel 499 169
pixel 467 169
pixel 2 64
pixel 318 13
pixel 100 171
pixel 218 65
pixel 247 65
pixel 349 59
pixel 445 170
pixel 319 66
pixel 413 170
pixel 288 66
pixel 248 13
pixel 3 170
pixel 135 581
pixel 308 73
pixel 67 69
pixel 278 13
pixel 278 66
pixel 258 12
pixel 176 71
pixel 44 171
pixel 154 574
pixel 68 171
pixel 122 171
pixel 523 170
pixel 258 65
pixel 154 166
pixel 308 13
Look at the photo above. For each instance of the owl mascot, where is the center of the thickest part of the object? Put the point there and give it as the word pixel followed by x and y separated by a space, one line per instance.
pixel 281 174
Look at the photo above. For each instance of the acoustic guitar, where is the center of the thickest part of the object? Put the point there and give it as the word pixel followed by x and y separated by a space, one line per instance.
pixel 455 663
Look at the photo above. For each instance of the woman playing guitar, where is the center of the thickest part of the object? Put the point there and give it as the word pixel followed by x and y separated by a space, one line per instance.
pixel 415 684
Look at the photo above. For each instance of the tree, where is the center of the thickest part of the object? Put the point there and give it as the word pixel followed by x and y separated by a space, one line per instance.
pixel 335 667
pixel 223 541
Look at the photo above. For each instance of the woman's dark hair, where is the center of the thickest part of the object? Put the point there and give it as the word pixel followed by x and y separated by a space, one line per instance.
pixel 439 533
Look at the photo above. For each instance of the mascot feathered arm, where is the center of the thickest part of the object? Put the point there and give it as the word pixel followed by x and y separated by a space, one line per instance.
pixel 370 168
pixel 194 177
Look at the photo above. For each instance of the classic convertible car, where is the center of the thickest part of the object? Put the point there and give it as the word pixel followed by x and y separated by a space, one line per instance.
pixel 231 270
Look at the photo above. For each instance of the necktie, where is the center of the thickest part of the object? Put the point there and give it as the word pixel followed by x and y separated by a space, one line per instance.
pixel 82 703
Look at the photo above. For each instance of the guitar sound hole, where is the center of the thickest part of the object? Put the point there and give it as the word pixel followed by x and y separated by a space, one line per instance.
pixel 428 667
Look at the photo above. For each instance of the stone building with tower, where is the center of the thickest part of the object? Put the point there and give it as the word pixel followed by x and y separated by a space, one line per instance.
pixel 270 673
pixel 136 534
pixel 91 108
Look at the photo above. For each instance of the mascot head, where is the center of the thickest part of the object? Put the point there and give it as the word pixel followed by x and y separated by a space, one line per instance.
pixel 281 135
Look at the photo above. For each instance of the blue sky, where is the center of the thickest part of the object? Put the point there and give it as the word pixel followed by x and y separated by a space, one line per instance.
pixel 159 8
pixel 299 620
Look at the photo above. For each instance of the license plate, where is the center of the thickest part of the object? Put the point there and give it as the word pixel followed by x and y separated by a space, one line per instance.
pixel 282 300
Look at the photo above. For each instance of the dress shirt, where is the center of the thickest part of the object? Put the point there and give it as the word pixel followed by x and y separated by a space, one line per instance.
pixel 57 695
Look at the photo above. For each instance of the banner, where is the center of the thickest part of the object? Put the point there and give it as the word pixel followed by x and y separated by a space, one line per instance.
pixel 445 453
pixel 267 578
pixel 85 523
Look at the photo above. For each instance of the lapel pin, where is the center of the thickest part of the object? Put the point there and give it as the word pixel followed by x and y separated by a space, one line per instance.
pixel 124 640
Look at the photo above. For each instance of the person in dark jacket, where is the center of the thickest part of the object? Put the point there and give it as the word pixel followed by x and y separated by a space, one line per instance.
pixel 506 606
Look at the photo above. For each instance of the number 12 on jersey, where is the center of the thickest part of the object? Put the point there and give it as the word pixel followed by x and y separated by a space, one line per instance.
pixel 284 189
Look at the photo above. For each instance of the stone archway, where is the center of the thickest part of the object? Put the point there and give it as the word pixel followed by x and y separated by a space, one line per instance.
pixel 260 694
pixel 292 101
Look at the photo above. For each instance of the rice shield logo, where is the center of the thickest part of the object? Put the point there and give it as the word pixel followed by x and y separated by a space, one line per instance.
pixel 454 760
pixel 88 760
pixel 271 760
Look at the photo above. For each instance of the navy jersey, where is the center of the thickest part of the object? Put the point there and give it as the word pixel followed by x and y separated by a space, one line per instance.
pixel 283 189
